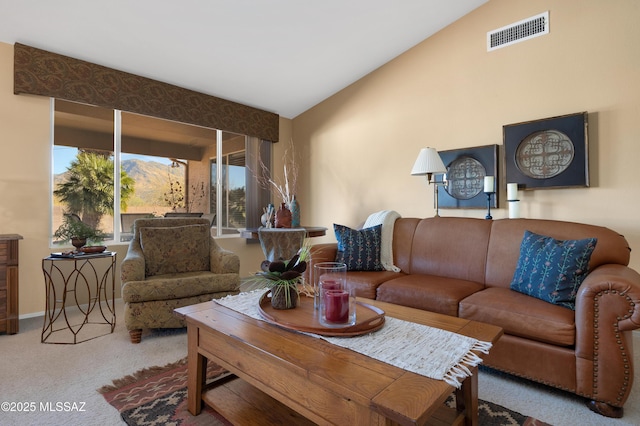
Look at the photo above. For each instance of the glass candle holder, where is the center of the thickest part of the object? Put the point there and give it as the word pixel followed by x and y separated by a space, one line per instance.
pixel 335 298
pixel 326 271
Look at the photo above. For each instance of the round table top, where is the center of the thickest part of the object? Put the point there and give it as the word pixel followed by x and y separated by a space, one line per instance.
pixel 312 231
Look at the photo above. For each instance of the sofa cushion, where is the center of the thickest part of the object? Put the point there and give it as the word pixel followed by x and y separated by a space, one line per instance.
pixel 450 247
pixel 359 249
pixel 366 283
pixel 427 292
pixel 521 315
pixel 176 249
pixel 552 270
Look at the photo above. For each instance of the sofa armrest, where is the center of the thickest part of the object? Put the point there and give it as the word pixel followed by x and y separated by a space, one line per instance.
pixel 323 252
pixel 320 253
pixel 132 267
pixel 222 261
pixel 613 291
pixel 607 309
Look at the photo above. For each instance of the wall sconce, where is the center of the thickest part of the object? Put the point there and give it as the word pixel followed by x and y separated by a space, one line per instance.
pixel 428 163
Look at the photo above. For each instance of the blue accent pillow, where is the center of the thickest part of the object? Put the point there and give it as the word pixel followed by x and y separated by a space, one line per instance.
pixel 359 249
pixel 552 270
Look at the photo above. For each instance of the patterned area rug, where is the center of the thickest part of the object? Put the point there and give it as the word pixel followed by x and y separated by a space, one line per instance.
pixel 158 396
pixel 490 414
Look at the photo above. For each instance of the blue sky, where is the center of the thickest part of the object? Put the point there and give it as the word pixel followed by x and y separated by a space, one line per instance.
pixel 63 155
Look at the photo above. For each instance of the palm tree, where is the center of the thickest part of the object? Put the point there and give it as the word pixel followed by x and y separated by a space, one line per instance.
pixel 88 190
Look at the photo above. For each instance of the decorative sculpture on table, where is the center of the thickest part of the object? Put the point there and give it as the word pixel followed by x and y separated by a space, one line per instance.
pixel 268 216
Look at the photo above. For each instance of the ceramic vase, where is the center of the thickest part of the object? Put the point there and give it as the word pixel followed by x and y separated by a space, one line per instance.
pixel 283 217
pixel 295 212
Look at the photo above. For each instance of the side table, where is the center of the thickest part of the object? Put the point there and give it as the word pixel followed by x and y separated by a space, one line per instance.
pixel 83 282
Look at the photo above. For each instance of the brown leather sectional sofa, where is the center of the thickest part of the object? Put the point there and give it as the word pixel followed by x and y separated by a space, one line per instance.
pixel 463 267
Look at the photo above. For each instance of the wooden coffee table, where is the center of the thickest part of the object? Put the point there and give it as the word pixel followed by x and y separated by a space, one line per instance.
pixel 283 377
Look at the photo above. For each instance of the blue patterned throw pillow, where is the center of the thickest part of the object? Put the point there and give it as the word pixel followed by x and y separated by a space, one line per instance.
pixel 359 249
pixel 552 270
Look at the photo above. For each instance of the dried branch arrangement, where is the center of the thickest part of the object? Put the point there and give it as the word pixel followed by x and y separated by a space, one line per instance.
pixel 286 187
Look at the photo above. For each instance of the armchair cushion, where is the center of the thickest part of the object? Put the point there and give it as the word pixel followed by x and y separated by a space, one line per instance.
pixel 187 247
pixel 179 286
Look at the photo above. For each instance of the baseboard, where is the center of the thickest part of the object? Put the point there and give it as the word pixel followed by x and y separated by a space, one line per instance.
pixel 41 313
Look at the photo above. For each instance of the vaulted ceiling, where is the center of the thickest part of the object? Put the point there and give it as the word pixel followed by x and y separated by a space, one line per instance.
pixel 283 56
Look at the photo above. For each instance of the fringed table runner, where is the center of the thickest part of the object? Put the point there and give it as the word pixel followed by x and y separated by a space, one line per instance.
pixel 428 351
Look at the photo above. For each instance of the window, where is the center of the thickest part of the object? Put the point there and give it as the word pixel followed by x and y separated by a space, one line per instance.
pixel 164 167
pixel 82 165
pixel 233 212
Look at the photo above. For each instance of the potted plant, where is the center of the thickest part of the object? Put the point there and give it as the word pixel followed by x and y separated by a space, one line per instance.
pixel 77 232
pixel 284 279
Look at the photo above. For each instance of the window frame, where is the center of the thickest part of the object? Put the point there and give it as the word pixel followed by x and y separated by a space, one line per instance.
pixel 254 195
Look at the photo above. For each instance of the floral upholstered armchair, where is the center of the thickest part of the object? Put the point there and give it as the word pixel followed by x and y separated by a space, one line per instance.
pixel 173 263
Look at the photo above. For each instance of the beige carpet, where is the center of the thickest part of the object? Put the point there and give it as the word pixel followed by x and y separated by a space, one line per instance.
pixel 43 375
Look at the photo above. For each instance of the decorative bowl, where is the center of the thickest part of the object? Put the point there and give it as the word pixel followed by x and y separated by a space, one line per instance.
pixel 92 249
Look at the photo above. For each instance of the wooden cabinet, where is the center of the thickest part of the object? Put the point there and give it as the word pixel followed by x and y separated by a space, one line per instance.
pixel 9 283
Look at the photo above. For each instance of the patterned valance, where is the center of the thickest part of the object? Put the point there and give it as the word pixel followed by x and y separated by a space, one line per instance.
pixel 38 72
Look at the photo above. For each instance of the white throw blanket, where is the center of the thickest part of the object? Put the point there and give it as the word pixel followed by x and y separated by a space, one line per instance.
pixel 428 351
pixel 386 218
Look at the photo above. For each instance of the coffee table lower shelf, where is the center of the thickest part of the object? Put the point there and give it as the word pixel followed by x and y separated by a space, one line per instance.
pixel 240 403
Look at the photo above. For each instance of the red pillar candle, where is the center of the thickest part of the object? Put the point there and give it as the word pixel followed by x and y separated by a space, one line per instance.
pixel 330 285
pixel 336 304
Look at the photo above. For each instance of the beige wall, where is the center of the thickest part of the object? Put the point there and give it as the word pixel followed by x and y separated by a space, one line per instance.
pixel 24 180
pixel 448 92
pixel 25 168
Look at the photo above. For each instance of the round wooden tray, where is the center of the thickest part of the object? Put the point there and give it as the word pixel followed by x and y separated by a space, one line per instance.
pixel 304 317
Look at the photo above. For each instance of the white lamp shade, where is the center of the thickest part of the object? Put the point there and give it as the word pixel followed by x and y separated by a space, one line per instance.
pixel 428 161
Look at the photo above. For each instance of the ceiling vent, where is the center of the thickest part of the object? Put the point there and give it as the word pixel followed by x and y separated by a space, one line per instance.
pixel 519 31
